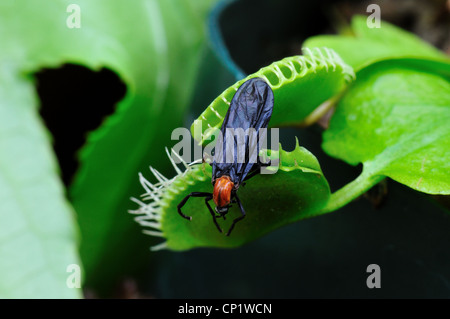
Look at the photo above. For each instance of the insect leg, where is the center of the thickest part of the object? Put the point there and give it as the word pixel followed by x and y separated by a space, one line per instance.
pixel 238 218
pixel 183 202
pixel 207 199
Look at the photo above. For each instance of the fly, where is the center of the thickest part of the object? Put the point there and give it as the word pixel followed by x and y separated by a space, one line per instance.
pixel 249 111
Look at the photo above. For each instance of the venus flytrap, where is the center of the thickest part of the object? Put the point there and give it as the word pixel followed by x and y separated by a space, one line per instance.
pixel 149 213
pixel 297 191
pixel 158 62
pixel 299 84
pixel 393 119
pixel 366 45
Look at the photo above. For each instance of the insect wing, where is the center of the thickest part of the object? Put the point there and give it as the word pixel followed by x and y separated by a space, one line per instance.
pixel 250 110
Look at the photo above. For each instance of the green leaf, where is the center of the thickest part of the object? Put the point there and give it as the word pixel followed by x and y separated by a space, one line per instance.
pixel 159 62
pixel 37 235
pixel 297 191
pixel 155 48
pixel 300 85
pixel 371 44
pixel 394 120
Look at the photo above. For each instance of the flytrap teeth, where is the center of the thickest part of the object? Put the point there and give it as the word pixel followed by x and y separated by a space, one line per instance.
pixel 149 212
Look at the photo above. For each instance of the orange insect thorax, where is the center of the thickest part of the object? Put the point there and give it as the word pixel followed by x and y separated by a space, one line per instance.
pixel 222 191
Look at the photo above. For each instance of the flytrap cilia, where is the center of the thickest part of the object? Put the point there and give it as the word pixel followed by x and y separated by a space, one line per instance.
pixel 235 158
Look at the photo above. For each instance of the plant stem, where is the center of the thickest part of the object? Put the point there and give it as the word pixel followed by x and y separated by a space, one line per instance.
pixel 354 189
pixel 319 112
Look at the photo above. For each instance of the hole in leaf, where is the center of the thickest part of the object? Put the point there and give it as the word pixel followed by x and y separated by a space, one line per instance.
pixel 298 67
pixel 287 73
pixel 308 64
pixel 272 77
pixel 74 101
